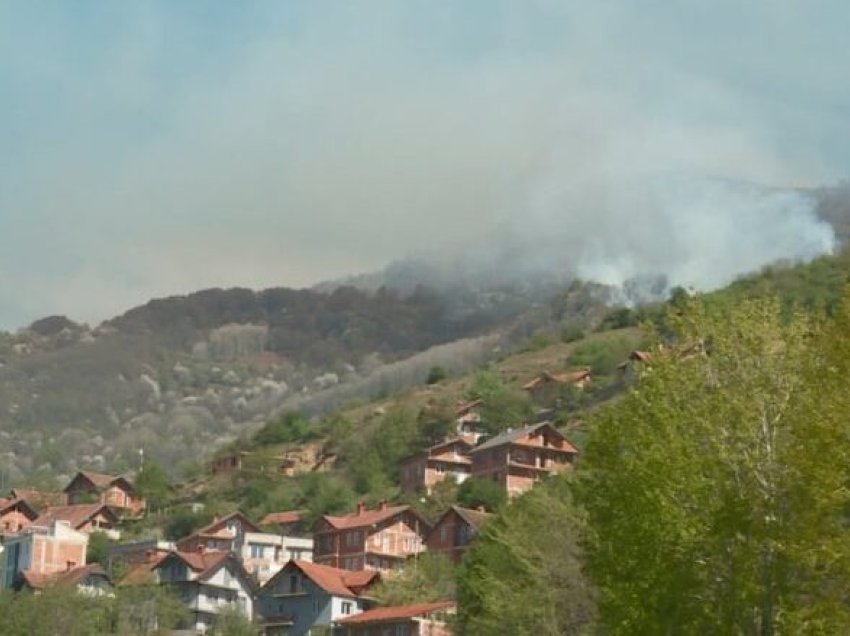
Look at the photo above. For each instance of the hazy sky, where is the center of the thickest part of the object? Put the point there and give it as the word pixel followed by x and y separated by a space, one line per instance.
pixel 150 148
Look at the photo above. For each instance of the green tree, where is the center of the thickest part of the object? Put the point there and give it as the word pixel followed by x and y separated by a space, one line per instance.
pixel 153 484
pixel 504 405
pixel 425 579
pixel 479 492
pixel 232 622
pixel 523 572
pixel 716 490
pixel 98 547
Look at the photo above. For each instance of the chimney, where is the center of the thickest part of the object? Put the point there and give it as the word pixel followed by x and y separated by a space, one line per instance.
pixel 382 505
pixel 69 565
pixel 361 507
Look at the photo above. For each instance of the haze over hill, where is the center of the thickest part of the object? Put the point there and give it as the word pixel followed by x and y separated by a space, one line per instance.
pixel 285 143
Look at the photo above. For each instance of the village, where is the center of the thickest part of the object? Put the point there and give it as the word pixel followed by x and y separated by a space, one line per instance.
pixel 287 576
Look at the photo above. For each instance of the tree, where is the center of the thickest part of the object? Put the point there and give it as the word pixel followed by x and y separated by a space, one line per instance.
pixel 523 572
pixel 478 492
pixel 716 490
pixel 504 405
pixel 153 485
pixel 98 547
pixel 425 579
pixel 436 374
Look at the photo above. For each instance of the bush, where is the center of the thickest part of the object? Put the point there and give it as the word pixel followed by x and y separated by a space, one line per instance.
pixel 571 334
pixel 478 492
pixel 436 374
pixel 288 428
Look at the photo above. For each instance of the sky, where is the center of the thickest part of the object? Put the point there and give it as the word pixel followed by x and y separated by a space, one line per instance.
pixel 158 147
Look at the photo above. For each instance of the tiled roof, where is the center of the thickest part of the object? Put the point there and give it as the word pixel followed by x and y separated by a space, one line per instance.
pixel 101 480
pixel 334 580
pixel 511 436
pixel 142 573
pixel 212 527
pixel 201 562
pixel 475 518
pixel 365 518
pixel 400 612
pixel 290 516
pixel 8 504
pixel 75 515
pixel 38 498
pixel 74 576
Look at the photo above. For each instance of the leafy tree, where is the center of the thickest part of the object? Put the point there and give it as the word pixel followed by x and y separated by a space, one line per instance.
pixel 288 427
pixel 146 609
pixel 504 405
pixel 232 622
pixel 153 484
pixel 425 579
pixel 184 522
pixel 436 420
pixel 523 573
pixel 478 492
pixel 716 490
pixel 97 549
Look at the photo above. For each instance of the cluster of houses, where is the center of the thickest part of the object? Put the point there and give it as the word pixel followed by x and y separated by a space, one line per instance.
pixel 288 580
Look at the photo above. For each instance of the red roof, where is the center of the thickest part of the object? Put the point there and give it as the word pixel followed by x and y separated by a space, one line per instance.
pixel 365 518
pixel 37 498
pixel 143 572
pixel 399 612
pixel 76 515
pixel 8 504
pixel 465 407
pixel 333 580
pixel 74 576
pixel 200 562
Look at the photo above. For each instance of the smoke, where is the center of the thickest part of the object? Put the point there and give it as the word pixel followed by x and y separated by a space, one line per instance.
pixel 287 143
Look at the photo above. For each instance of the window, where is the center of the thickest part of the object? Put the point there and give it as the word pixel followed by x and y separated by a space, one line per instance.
pixel 316 606
pixel 346 607
pixel 256 551
pixel 441 469
pixel 444 534
pixel 293 583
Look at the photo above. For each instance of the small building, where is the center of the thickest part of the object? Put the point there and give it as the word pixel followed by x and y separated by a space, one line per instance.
pixel 229 463
pixel 42 551
pixel 86 518
pixel 449 458
pixel 421 619
pixel 379 539
pixel 469 420
pixel 223 534
pixel 15 515
pixel 305 596
pixel 546 388
pixel 454 531
pixel 114 491
pixel 518 458
pixel 207 583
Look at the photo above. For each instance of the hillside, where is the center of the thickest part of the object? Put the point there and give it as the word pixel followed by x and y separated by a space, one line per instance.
pixel 206 367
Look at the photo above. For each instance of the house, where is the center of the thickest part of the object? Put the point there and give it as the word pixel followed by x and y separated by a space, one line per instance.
pixel 15 515
pixel 454 531
pixel 116 492
pixel 229 463
pixel 87 518
pixel 261 553
pixel 89 579
pixel 224 534
pixel 422 619
pixel 379 539
pixel 546 388
pixel 207 583
pixel 449 458
pixel 518 458
pixel 304 596
pixel 469 420
pixel 42 550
